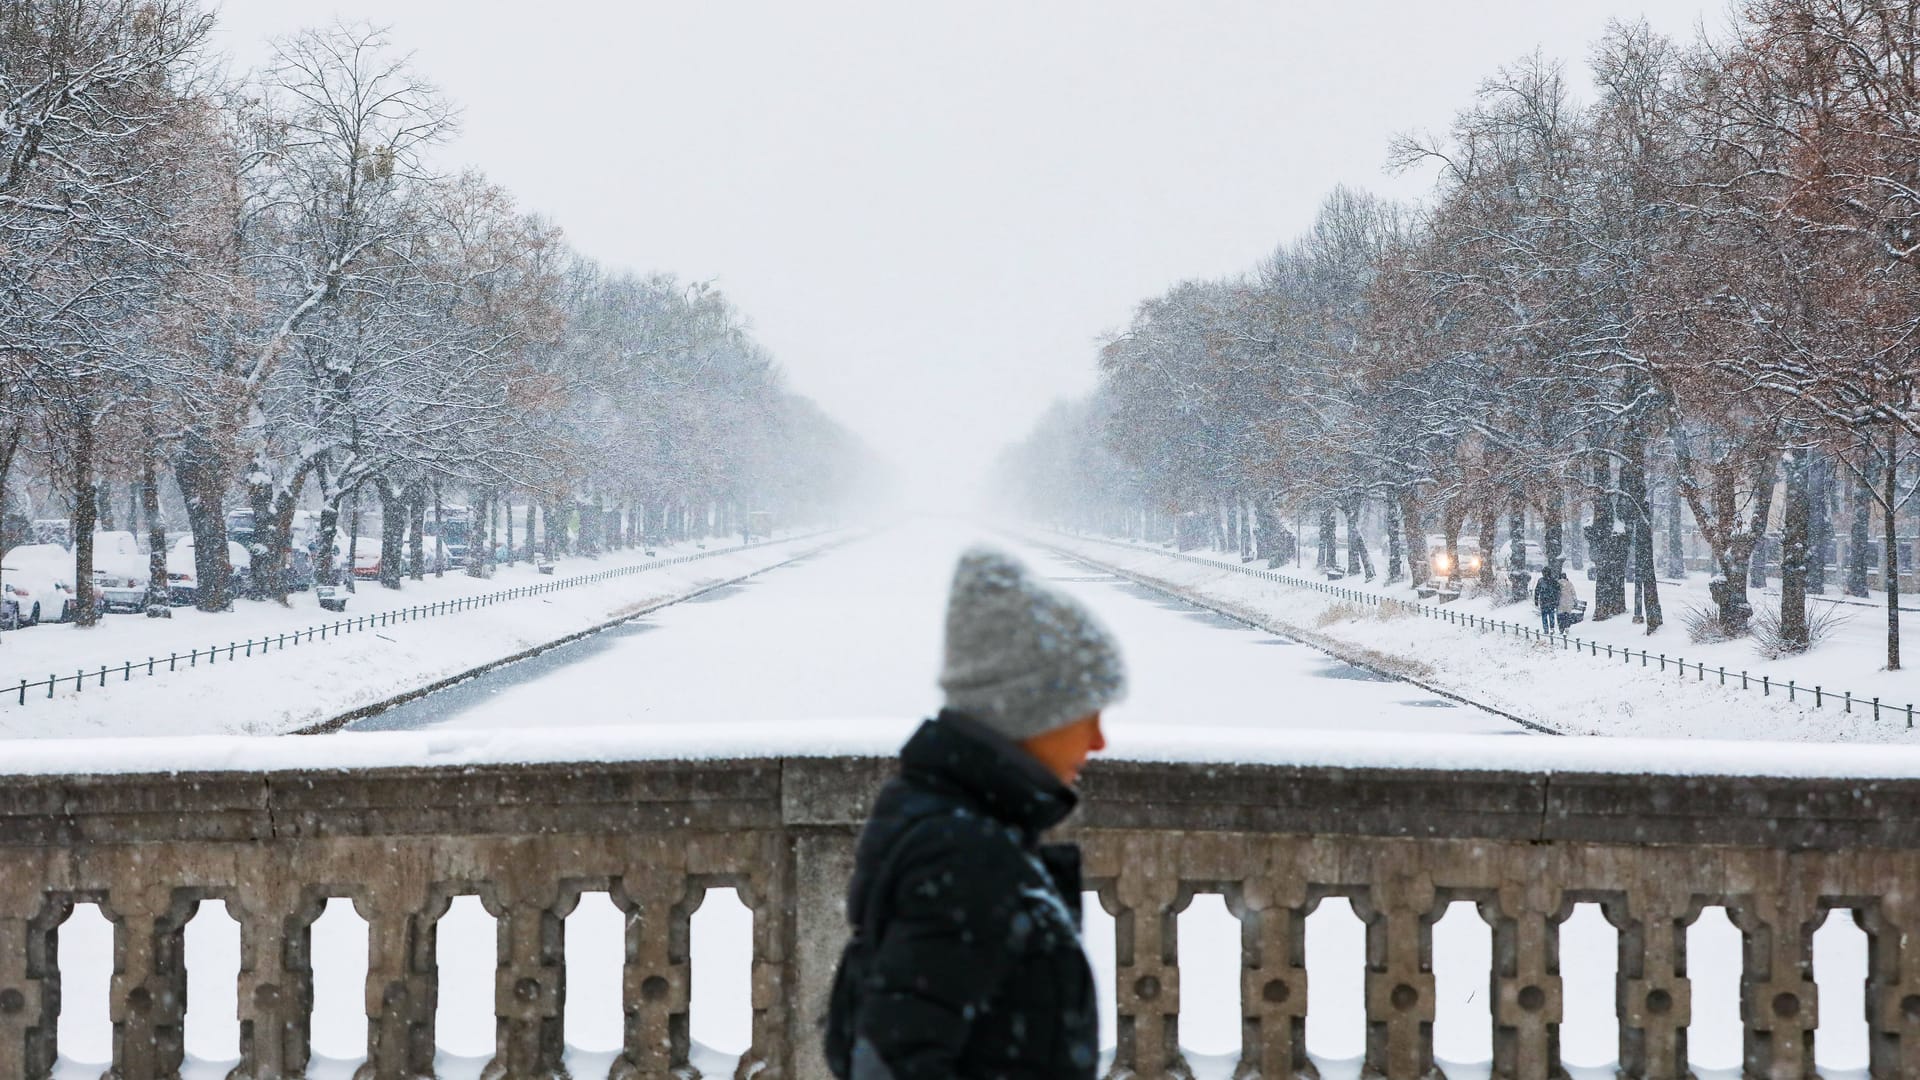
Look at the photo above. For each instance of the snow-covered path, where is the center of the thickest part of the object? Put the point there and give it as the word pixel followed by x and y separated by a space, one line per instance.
pixel 853 635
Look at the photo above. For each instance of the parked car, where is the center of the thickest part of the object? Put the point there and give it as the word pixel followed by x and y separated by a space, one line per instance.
pixel 39 578
pixel 366 563
pixel 183 583
pixel 120 571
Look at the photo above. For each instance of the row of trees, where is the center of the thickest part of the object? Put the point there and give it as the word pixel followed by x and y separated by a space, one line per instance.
pixel 259 290
pixel 1703 287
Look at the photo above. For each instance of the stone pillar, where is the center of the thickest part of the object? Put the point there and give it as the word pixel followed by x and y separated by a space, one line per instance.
pixel 1273 974
pixel 1779 1005
pixel 1527 1002
pixel 657 975
pixel 817 905
pixel 276 972
pixel 1654 995
pixel 1399 984
pixel 147 998
pixel 402 983
pixel 1145 895
pixel 1893 981
pixel 29 976
pixel 530 990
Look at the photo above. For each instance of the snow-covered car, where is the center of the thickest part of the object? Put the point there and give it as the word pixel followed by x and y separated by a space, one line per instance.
pixel 120 571
pixel 183 582
pixel 1439 565
pixel 366 563
pixel 39 578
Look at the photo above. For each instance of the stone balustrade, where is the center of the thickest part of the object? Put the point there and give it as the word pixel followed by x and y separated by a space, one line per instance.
pixel 1274 840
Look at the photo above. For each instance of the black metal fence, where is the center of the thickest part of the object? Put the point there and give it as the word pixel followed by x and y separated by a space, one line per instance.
pixel 1680 665
pixel 234 651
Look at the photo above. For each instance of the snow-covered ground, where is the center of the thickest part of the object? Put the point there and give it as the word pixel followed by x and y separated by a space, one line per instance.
pixel 837 653
pixel 1565 689
pixel 316 680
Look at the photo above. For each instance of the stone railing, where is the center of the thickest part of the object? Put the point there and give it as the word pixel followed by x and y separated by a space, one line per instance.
pixel 1525 845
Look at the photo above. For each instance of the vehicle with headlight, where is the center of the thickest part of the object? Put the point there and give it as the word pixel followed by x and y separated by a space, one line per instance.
pixel 1440 565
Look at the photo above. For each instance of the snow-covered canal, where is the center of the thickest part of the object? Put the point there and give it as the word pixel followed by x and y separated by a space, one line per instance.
pixel 854 635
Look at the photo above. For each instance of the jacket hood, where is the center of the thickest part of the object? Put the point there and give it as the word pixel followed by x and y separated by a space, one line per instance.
pixel 958 753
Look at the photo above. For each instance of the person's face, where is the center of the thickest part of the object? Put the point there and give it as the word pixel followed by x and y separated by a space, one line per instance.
pixel 1064 750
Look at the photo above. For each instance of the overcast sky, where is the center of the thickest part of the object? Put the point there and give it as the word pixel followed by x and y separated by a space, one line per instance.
pixel 931 211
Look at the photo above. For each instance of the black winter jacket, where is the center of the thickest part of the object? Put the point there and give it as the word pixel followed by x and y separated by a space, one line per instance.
pixel 978 970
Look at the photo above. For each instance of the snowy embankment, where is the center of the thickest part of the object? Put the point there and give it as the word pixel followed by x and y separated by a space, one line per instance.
pixel 1556 687
pixel 320 679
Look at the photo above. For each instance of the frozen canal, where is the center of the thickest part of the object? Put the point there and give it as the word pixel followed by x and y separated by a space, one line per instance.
pixel 854 635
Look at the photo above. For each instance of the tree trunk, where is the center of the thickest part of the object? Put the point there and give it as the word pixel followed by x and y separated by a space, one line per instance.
pixel 1410 523
pixel 1633 483
pixel 1572 548
pixel 325 570
pixel 156 529
pixel 103 506
pixel 416 496
pixel 85 508
pixel 1607 542
pixel 1359 559
pixel 1859 537
pixel 1676 550
pixel 1452 519
pixel 1517 572
pixel 353 544
pixel 1327 560
pixel 1489 538
pixel 1553 531
pixel 200 473
pixel 1396 548
pixel 1889 552
pixel 476 535
pixel 393 530
pixel 532 501
pixel 1794 551
pixel 1819 520
pixel 439 532
pixel 1762 513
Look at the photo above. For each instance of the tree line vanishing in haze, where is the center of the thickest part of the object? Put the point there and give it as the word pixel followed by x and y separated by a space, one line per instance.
pixel 1699 290
pixel 258 290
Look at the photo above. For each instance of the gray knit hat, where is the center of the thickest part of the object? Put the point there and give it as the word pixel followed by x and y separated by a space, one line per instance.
pixel 1023 658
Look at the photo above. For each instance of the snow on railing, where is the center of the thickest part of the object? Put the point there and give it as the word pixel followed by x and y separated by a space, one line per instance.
pixel 232 651
pixel 1765 684
pixel 1398 846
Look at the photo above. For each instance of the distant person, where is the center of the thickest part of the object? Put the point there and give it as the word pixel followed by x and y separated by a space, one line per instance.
pixel 1546 596
pixel 965 959
pixel 1566 612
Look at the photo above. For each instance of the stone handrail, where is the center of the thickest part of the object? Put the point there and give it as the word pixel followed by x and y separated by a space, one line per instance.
pixel 529 839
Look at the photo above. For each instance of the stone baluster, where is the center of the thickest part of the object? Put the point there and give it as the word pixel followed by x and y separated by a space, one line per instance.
pixel 1399 984
pixel 1527 1003
pixel 1273 974
pixel 402 981
pixel 29 975
pixel 1779 1004
pixel 1893 982
pixel 530 990
pixel 1147 968
pixel 147 997
pixel 276 974
pixel 1654 996
pixel 769 1057
pixel 658 901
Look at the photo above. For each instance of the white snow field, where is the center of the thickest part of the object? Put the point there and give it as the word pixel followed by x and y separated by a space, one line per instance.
pixel 838 653
pixel 1568 691
pixel 295 685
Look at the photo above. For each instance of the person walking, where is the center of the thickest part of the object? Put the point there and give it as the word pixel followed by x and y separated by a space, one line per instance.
pixel 1564 610
pixel 965 958
pixel 1546 597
